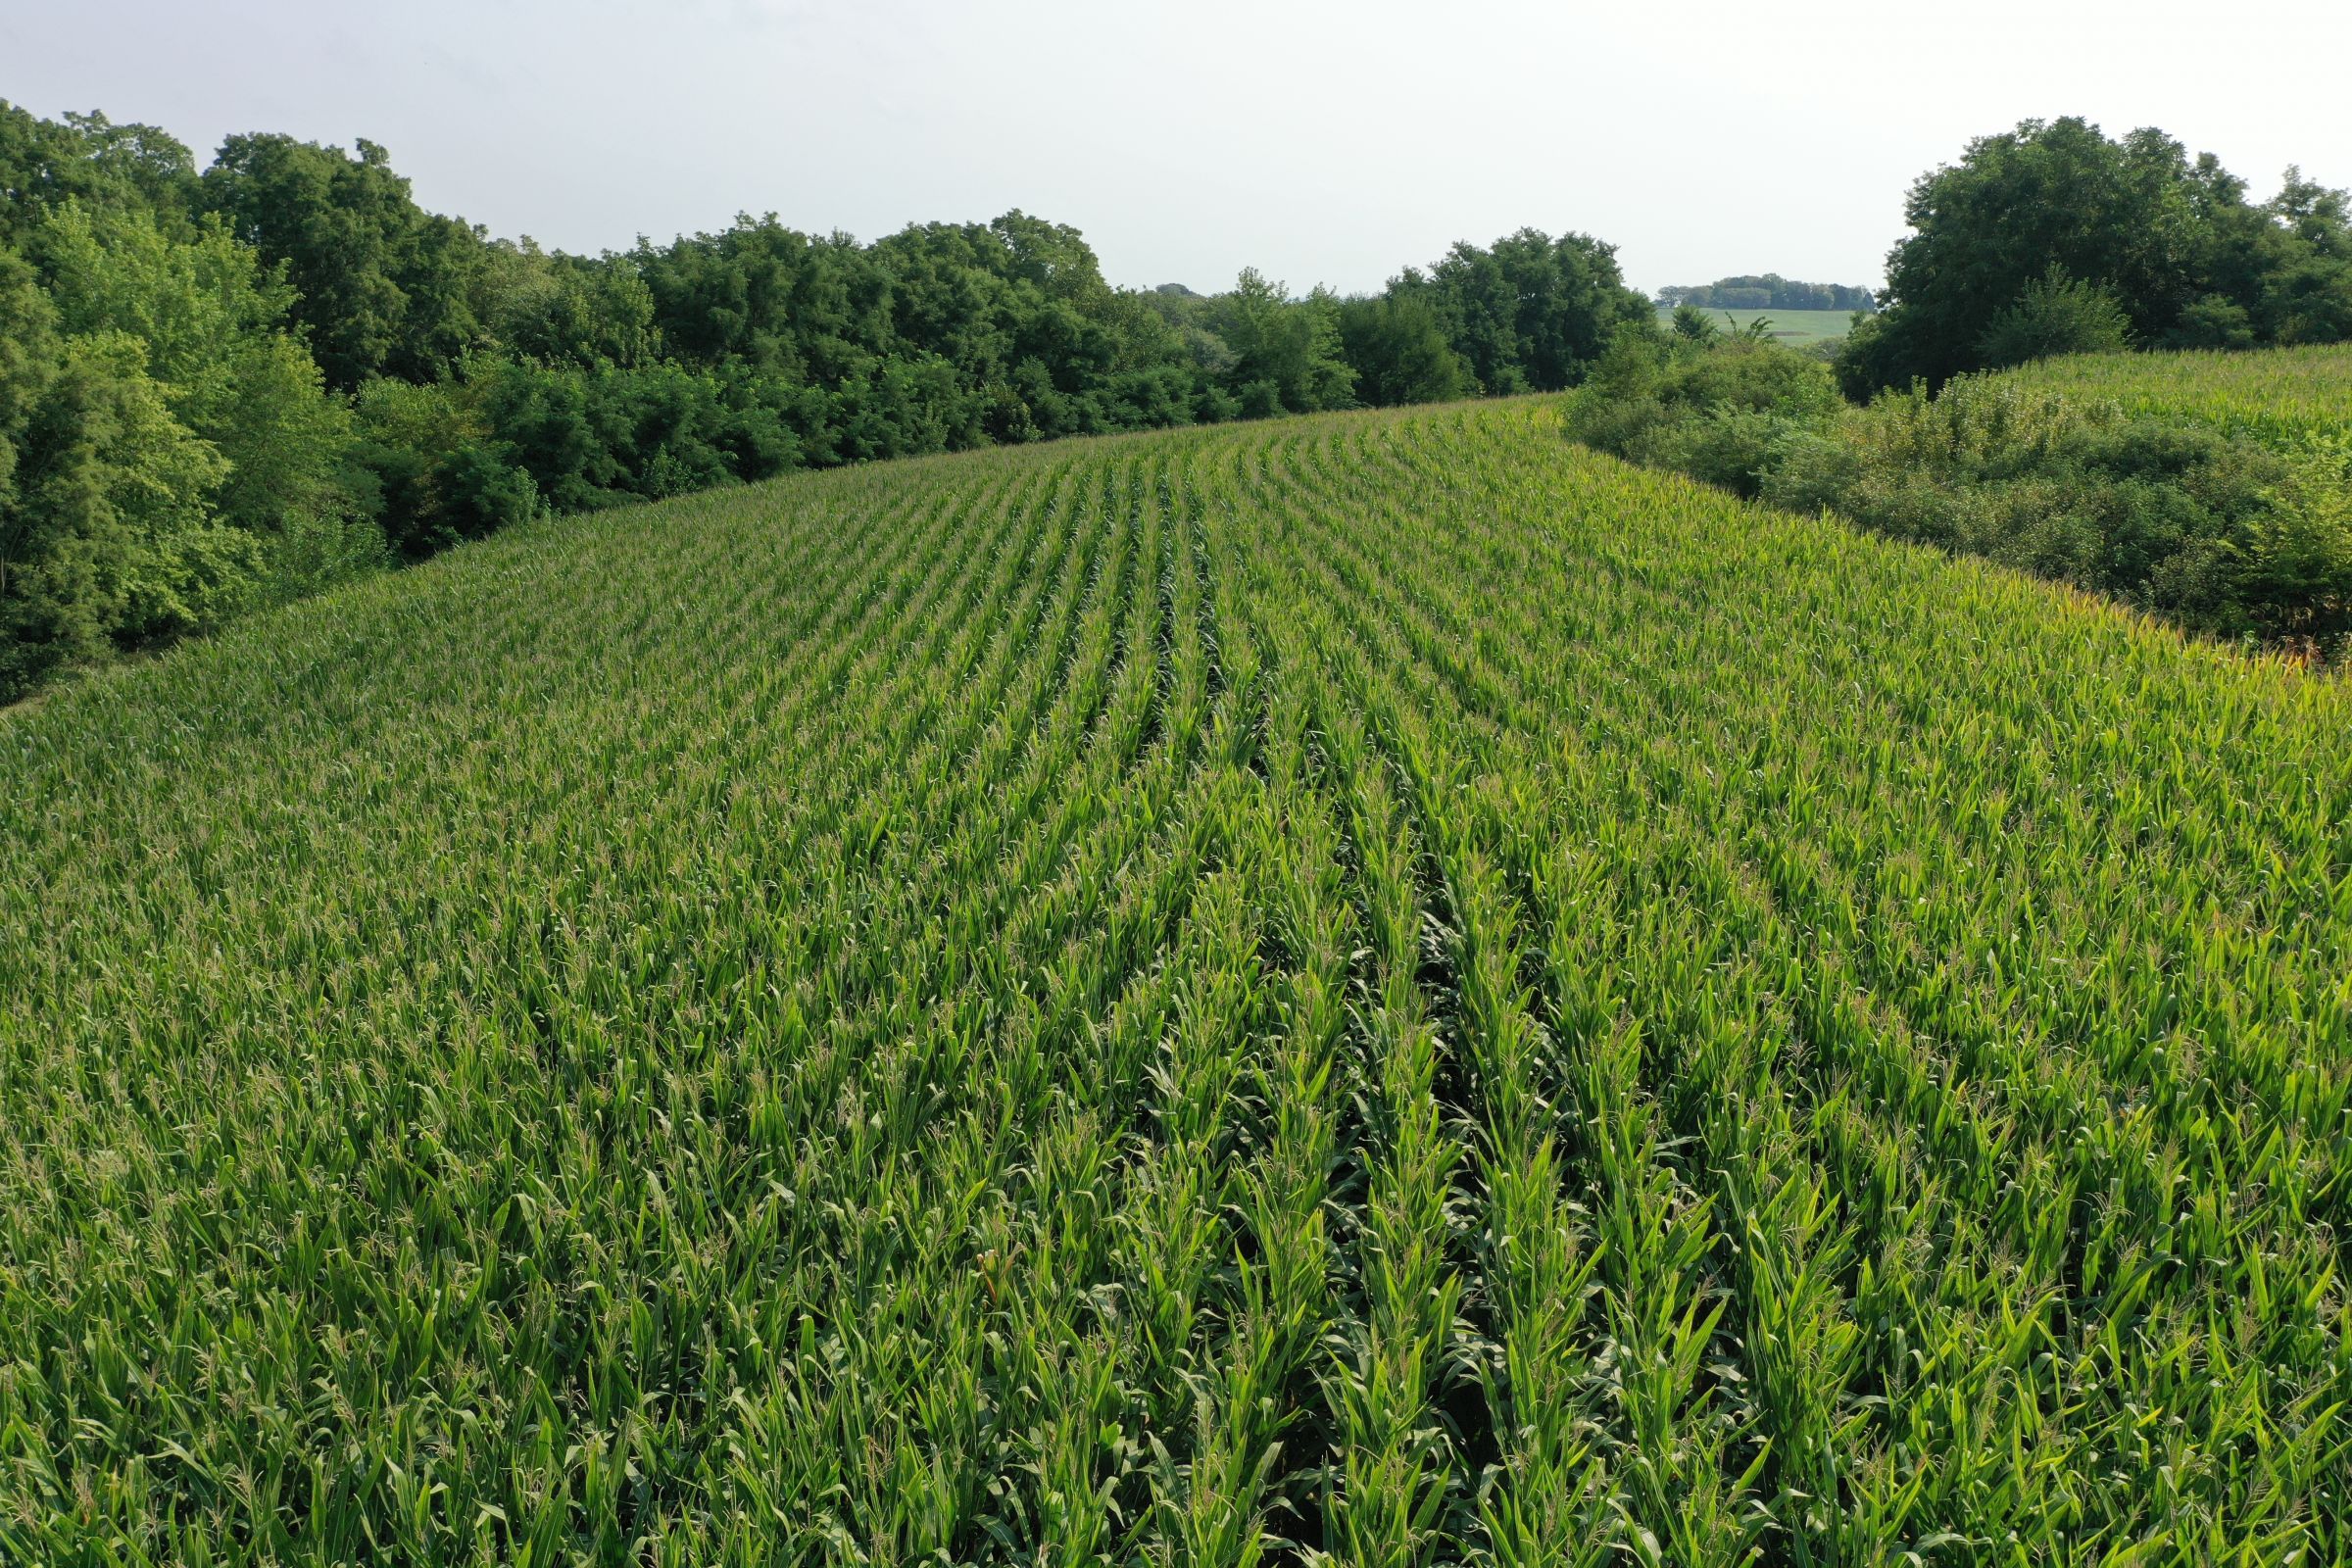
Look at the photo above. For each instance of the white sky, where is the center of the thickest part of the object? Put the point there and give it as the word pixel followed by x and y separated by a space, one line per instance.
pixel 1329 142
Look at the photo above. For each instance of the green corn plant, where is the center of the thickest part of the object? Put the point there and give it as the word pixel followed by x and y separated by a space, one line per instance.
pixel 1374 988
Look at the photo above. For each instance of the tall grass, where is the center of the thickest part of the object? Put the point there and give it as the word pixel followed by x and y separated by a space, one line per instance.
pixel 2276 394
pixel 1375 987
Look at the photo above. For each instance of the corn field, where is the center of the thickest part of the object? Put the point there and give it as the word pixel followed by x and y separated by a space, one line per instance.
pixel 1373 989
pixel 2277 396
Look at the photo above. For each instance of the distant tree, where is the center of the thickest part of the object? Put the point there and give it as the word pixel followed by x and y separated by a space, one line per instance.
pixel 1768 292
pixel 1286 355
pixel 88 160
pixel 769 297
pixel 557 309
pixel 1531 313
pixel 1693 325
pixel 2306 285
pixel 1397 346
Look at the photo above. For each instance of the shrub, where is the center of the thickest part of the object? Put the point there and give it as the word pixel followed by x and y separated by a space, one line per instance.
pixel 442 476
pixel 2056 314
pixel 2296 558
pixel 1720 410
pixel 1693 325
pixel 2214 321
pixel 2212 531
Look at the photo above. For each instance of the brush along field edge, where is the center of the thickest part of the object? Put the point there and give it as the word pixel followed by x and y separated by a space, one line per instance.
pixel 2277 396
pixel 1376 985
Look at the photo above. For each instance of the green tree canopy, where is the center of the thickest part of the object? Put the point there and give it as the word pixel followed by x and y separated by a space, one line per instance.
pixel 384 287
pixel 1397 346
pixel 2171 239
pixel 90 160
pixel 1531 314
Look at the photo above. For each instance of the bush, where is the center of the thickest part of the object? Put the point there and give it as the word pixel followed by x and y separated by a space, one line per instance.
pixel 2212 531
pixel 1693 325
pixel 442 477
pixel 1720 411
pixel 2212 322
pixel 2295 578
pixel 2056 314
pixel 2201 524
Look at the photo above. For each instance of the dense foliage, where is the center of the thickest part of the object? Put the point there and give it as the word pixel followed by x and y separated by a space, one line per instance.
pixel 169 453
pixel 2224 525
pixel 224 386
pixel 2219 535
pixel 1769 291
pixel 2053 238
pixel 1375 982
pixel 1719 408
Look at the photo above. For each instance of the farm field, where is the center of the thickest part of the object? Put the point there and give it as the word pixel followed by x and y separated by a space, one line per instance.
pixel 1796 329
pixel 1371 984
pixel 2272 393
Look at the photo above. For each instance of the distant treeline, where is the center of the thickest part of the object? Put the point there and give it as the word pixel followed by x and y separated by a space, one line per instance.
pixel 1769 291
pixel 224 385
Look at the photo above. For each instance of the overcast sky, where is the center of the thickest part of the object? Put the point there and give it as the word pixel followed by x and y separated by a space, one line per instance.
pixel 1319 142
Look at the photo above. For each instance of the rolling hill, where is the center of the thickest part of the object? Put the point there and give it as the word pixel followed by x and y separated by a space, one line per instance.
pixel 1375 984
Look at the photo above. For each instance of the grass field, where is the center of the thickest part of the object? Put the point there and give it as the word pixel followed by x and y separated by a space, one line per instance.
pixel 1796 328
pixel 2274 394
pixel 1377 985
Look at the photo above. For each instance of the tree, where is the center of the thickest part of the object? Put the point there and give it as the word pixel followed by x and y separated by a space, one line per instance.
pixel 1286 355
pixel 222 386
pixel 442 475
pixel 1531 313
pixel 1768 292
pixel 107 536
pixel 1396 347
pixel 212 329
pixel 2056 314
pixel 27 366
pixel 90 160
pixel 1693 325
pixel 2306 289
pixel 2172 242
pixel 383 287
pixel 556 310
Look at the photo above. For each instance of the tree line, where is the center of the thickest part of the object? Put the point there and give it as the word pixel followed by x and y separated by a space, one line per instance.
pixel 227 384
pixel 1768 292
